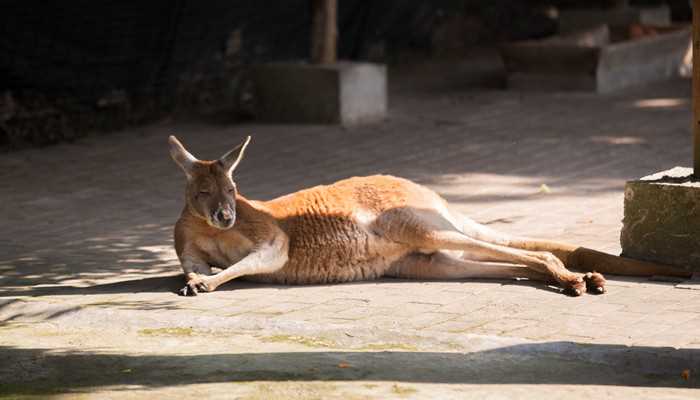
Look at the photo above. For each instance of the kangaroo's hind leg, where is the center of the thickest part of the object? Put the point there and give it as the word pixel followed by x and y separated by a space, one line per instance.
pixel 428 231
pixel 442 265
pixel 595 282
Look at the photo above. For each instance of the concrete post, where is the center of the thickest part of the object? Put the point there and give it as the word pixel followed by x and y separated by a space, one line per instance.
pixel 324 31
pixel 324 91
pixel 696 88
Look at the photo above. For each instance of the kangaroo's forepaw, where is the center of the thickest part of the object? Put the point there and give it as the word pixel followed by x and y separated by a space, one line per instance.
pixel 575 287
pixel 193 287
pixel 595 283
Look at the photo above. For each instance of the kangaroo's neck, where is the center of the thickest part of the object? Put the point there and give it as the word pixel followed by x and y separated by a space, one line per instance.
pixel 250 209
pixel 253 218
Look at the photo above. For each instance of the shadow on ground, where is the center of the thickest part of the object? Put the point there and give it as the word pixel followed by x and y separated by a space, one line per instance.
pixel 172 284
pixel 90 257
pixel 157 284
pixel 539 363
pixel 114 214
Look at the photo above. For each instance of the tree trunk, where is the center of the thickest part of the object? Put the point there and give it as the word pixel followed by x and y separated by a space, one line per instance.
pixel 324 31
pixel 696 88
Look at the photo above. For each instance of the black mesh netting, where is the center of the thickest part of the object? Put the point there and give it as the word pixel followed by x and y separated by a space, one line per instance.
pixel 67 67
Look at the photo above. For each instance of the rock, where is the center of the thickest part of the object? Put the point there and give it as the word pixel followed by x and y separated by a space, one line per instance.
pixel 662 219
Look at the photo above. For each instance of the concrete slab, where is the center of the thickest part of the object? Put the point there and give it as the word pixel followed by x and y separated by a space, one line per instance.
pixel 662 215
pixel 574 19
pixel 88 273
pixel 590 61
pixel 348 93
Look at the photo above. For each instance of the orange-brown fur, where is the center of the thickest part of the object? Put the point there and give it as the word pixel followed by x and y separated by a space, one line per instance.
pixel 355 229
pixel 326 244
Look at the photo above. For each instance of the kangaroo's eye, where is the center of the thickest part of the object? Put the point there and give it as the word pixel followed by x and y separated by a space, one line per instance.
pixel 203 193
pixel 232 190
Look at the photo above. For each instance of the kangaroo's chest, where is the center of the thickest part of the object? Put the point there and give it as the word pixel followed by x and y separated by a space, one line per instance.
pixel 224 250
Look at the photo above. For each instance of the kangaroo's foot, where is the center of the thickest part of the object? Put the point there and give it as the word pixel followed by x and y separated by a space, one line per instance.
pixel 573 283
pixel 574 286
pixel 595 283
pixel 195 283
pixel 591 282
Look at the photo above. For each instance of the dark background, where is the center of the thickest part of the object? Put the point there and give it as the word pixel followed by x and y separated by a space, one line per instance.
pixel 71 67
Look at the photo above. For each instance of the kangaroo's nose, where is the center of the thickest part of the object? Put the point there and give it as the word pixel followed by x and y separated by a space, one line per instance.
pixel 224 216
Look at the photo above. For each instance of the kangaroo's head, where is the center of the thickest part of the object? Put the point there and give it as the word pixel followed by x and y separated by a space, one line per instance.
pixel 211 191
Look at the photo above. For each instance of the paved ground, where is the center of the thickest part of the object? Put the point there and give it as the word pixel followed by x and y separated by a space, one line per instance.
pixel 87 303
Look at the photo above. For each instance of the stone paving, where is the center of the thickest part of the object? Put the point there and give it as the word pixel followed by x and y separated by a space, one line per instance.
pixel 87 302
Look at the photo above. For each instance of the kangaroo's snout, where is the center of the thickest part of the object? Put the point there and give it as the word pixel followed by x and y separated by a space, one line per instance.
pixel 224 218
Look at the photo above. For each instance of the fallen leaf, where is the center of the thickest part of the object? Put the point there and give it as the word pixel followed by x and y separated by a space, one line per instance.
pixel 545 189
pixel 685 374
pixel 343 365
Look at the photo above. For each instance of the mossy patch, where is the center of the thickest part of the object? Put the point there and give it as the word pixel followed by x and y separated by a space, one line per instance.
pixel 388 346
pixel 302 340
pixel 402 390
pixel 320 342
pixel 167 332
pixel 12 325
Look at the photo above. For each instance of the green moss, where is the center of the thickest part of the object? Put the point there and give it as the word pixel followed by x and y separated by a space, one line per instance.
pixel 370 385
pixel 12 325
pixel 328 343
pixel 402 390
pixel 389 346
pixel 302 340
pixel 167 332
pixel 104 304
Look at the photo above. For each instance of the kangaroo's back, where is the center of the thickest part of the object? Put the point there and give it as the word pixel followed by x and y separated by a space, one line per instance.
pixel 375 193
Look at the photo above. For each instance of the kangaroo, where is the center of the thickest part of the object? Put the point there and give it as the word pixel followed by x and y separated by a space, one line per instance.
pixel 360 228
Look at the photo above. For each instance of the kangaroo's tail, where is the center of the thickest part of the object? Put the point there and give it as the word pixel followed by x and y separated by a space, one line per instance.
pixel 585 259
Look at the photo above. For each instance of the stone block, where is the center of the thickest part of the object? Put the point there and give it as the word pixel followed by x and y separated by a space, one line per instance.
pixel 594 61
pixel 574 19
pixel 345 92
pixel 662 219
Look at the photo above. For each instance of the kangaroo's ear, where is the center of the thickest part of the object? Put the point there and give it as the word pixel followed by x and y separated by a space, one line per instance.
pixel 231 159
pixel 182 157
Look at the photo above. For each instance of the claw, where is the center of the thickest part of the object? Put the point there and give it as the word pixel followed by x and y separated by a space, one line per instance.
pixel 595 283
pixel 187 291
pixel 574 287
